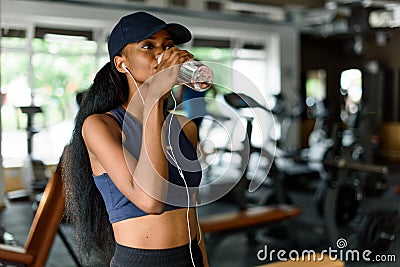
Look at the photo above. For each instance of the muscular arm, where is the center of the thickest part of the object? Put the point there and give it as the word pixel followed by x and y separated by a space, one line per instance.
pixel 151 172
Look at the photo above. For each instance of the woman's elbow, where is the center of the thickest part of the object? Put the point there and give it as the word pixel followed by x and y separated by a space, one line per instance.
pixel 154 207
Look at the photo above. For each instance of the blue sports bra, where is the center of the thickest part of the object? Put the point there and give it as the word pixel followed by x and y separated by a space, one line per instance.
pixel 118 206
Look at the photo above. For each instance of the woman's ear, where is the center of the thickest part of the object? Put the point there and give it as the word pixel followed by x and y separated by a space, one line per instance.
pixel 118 62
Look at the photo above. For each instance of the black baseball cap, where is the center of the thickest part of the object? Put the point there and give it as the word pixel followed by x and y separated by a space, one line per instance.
pixel 138 26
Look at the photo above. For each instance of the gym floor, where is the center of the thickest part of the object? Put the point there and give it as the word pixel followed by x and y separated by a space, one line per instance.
pixel 307 231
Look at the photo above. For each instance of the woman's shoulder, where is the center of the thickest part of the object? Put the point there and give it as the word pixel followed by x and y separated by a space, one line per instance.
pixel 100 124
pixel 99 119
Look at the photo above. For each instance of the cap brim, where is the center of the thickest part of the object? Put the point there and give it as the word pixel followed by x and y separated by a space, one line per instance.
pixel 179 33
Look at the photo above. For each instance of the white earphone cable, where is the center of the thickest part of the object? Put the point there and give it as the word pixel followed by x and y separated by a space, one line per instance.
pixel 137 87
pixel 171 154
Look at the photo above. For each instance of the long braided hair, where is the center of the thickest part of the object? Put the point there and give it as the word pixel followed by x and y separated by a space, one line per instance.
pixel 85 208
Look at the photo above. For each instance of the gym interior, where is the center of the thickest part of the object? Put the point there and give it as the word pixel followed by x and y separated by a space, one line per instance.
pixel 299 141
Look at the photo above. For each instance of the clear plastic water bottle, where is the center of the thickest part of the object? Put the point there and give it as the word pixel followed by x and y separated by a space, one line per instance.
pixel 195 75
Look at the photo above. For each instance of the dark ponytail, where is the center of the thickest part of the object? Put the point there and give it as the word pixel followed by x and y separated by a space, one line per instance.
pixel 85 207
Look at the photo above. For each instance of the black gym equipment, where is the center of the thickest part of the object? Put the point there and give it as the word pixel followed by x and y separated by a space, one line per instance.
pixel 238 193
pixel 346 200
pixel 378 231
pixel 287 170
pixel 375 185
pixel 345 197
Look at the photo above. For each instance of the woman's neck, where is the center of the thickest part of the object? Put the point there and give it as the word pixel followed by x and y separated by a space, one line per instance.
pixel 134 105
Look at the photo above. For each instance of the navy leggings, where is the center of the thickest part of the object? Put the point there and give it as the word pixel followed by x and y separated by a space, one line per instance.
pixel 172 257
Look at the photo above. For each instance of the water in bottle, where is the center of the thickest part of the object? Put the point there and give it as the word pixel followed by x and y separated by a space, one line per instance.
pixel 195 75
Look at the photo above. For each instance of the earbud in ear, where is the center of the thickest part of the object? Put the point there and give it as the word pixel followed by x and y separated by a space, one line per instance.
pixel 124 67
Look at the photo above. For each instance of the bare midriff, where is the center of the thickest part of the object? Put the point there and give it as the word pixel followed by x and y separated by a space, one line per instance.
pixel 166 230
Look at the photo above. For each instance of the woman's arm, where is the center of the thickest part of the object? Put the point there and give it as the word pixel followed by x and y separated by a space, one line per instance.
pixel 140 181
pixel 144 182
pixel 151 172
pixel 189 128
pixel 203 249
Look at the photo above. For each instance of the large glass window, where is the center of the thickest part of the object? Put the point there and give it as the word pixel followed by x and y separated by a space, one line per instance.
pixel 63 63
pixel 222 59
pixel 256 75
pixel 15 88
pixel 218 55
pixel 316 84
pixel 13 36
pixel 46 72
pixel 64 44
pixel 57 79
pixel 316 93
pixel 351 84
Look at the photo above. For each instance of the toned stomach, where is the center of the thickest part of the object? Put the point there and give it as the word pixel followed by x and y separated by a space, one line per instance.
pixel 166 230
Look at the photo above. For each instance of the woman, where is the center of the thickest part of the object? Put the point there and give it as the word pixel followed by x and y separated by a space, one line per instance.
pixel 122 166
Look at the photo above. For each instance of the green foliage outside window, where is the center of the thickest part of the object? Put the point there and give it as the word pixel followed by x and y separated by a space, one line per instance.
pixel 59 70
pixel 222 70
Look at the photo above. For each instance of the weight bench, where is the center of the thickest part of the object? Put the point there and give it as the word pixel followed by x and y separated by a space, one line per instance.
pixel 220 225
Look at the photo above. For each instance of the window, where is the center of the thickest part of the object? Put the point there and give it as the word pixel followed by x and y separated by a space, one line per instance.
pixel 63 63
pixel 316 93
pixel 59 41
pixel 256 73
pixel 13 37
pixel 351 84
pixel 57 79
pixel 14 89
pixel 45 68
pixel 384 18
pixel 316 84
pixel 218 53
pixel 351 89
